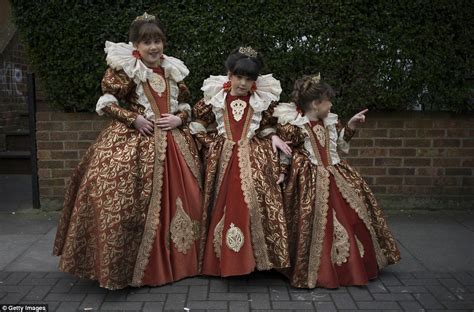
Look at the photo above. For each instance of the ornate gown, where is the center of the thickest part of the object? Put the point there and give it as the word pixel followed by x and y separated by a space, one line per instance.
pixel 243 221
pixel 338 234
pixel 133 207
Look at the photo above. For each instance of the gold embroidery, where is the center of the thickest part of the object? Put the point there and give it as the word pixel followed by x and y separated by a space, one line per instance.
pixel 157 83
pixel 184 148
pixel 181 229
pixel 245 129
pixel 320 132
pixel 340 243
pixel 238 109
pixel 321 208
pixel 250 197
pixel 154 209
pixel 234 238
pixel 218 236
pixel 360 247
pixel 356 203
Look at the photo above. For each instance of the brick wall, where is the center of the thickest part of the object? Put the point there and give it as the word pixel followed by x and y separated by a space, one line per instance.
pixel 410 159
pixel 13 89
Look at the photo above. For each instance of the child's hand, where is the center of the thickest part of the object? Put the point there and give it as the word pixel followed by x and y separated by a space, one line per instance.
pixel 281 145
pixel 281 178
pixel 169 122
pixel 357 119
pixel 143 125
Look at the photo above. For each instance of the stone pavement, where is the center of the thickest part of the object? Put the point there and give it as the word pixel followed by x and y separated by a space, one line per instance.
pixel 436 274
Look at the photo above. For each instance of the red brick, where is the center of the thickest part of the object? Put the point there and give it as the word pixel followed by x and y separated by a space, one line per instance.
pixel 445 181
pixel 430 152
pixel 390 124
pixel 468 142
pixel 446 123
pixel 418 180
pixel 467 163
pixel 44 173
pixel 372 171
pixel 417 162
pixel 77 125
pixel 42 136
pixel 64 154
pixel 372 133
pixel 360 161
pixel 71 164
pixel 458 171
pixel 428 133
pixel 377 189
pixel 446 143
pixel 52 182
pixel 50 145
pixel 50 164
pixel 388 142
pixel 467 181
pixel 457 133
pixel 404 152
pixel 460 152
pixel 362 142
pixel 373 152
pixel 419 123
pixel 49 125
pixel 427 171
pixel 446 162
pixel 88 135
pixel 401 171
pixel 64 136
pixel 417 142
pixel 43 155
pixel 388 162
pixel 402 133
pixel 77 145
pixel 389 180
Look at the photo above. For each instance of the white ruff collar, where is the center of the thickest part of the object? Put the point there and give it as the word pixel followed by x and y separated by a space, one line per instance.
pixel 268 91
pixel 119 56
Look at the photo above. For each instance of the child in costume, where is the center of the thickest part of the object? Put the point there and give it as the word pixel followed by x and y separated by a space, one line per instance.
pixel 243 221
pixel 132 210
pixel 338 234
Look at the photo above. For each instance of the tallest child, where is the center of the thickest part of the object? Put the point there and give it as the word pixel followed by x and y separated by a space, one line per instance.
pixel 132 210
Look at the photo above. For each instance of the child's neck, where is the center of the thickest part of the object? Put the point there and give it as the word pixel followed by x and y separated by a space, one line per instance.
pixel 312 116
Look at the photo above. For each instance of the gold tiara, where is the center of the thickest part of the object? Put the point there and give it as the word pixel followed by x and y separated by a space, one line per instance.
pixel 145 17
pixel 316 78
pixel 249 51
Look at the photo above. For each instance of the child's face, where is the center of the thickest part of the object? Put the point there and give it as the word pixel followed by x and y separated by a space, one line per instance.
pixel 323 108
pixel 150 51
pixel 240 85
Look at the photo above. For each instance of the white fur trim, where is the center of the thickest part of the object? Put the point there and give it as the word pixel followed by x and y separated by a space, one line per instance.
pixel 196 127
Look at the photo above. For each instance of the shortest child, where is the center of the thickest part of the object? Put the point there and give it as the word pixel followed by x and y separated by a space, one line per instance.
pixel 338 234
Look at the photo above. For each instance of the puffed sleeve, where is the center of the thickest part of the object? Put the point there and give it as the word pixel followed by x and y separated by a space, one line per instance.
pixel 116 85
pixel 288 133
pixel 202 120
pixel 268 122
pixel 184 109
pixel 345 134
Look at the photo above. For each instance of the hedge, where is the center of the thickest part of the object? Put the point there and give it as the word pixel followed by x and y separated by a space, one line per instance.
pixel 384 55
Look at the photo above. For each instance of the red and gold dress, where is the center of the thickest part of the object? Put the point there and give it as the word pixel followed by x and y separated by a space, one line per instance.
pixel 133 209
pixel 243 221
pixel 338 234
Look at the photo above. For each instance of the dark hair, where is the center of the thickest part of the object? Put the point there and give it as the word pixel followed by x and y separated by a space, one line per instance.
pixel 244 65
pixel 310 88
pixel 143 30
